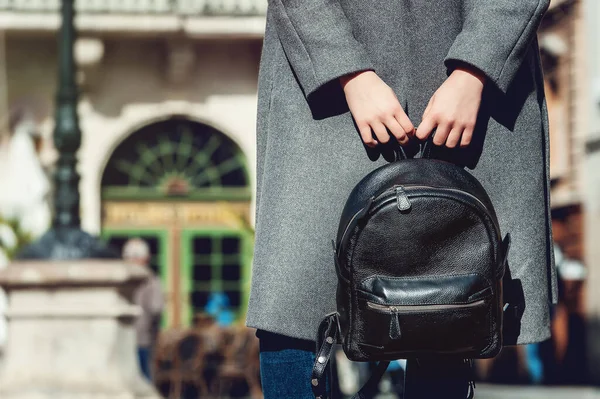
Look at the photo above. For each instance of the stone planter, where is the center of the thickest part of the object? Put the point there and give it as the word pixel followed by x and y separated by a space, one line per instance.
pixel 71 331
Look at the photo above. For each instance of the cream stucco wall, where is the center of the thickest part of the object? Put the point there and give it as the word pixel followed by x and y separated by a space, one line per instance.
pixel 130 87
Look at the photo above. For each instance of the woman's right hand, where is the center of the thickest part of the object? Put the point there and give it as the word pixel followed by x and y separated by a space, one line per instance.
pixel 375 107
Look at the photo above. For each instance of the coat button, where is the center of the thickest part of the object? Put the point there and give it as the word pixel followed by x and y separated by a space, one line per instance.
pixel 329 340
pixel 315 382
pixel 321 359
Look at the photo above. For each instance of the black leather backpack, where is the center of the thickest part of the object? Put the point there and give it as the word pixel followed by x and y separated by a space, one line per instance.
pixel 420 260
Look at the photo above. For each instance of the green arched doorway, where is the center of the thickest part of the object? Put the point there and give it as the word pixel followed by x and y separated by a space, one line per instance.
pixel 183 187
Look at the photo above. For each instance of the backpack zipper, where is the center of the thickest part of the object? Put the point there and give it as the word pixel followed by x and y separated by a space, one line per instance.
pixel 421 308
pixel 395 310
pixel 401 194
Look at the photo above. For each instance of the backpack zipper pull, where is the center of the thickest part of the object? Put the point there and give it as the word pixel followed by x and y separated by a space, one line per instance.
pixel 402 199
pixel 395 332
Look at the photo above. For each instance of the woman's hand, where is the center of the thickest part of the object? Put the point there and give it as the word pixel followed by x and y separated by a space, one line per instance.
pixel 375 108
pixel 453 109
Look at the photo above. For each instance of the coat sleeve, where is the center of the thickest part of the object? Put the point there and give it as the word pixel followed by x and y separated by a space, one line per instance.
pixel 496 36
pixel 318 42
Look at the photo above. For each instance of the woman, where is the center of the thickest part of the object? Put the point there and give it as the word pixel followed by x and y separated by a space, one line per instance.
pixel 342 80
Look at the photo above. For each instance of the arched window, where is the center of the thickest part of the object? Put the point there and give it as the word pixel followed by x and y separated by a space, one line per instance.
pixel 176 157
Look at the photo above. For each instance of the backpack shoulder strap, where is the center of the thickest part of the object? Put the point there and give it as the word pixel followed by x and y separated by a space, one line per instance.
pixel 326 339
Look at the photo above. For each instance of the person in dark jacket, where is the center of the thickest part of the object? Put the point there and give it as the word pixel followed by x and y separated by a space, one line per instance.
pixel 341 79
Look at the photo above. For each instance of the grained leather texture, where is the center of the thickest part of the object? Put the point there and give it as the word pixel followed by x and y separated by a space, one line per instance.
pixel 417 171
pixel 420 261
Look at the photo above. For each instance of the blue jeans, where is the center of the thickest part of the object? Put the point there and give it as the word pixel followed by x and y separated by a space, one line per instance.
pixel 144 356
pixel 285 366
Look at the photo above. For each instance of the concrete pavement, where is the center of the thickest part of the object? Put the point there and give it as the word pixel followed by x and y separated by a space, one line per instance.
pixel 484 391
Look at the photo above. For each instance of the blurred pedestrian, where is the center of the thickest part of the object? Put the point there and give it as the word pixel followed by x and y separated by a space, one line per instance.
pixel 218 306
pixel 149 297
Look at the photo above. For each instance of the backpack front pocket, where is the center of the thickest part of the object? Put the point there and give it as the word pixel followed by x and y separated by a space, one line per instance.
pixel 440 314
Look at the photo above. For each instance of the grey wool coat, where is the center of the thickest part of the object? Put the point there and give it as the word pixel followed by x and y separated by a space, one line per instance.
pixel 310 154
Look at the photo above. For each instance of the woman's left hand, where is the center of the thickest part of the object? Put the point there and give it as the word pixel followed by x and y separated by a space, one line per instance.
pixel 452 110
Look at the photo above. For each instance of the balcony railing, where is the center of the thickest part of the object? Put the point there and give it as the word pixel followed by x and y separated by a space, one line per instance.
pixel 144 7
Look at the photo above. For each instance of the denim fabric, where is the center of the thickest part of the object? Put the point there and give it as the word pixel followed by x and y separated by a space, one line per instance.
pixel 285 366
pixel 144 356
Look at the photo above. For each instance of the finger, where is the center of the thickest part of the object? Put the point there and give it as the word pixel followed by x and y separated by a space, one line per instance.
pixel 366 135
pixel 425 128
pixel 441 134
pixel 380 132
pixel 405 122
pixel 428 108
pixel 454 137
pixel 467 136
pixel 396 130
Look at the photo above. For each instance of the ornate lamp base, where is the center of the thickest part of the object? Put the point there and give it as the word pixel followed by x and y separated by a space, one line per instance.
pixel 67 243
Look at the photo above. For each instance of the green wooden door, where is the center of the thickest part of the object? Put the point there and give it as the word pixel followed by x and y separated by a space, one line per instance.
pixel 184 187
pixel 215 261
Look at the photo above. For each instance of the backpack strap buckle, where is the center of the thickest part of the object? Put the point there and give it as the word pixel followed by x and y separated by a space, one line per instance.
pixel 328 336
pixel 326 340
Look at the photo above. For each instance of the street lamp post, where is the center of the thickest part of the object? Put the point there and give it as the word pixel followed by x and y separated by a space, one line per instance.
pixel 66 306
pixel 67 135
pixel 65 239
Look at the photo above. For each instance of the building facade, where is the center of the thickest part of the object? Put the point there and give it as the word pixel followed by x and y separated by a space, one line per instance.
pixel 563 45
pixel 591 180
pixel 167 111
